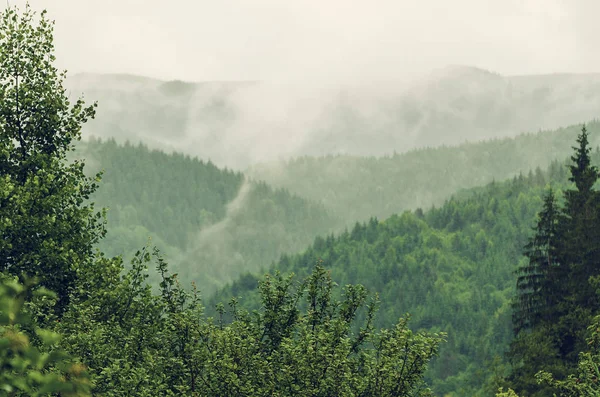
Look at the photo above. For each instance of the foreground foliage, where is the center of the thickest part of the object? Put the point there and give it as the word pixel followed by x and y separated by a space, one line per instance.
pixel 302 341
pixel 584 382
pixel 47 228
pixel 26 370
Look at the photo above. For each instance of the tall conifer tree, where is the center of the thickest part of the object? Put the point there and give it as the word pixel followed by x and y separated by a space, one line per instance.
pixel 555 300
pixel 579 227
pixel 535 285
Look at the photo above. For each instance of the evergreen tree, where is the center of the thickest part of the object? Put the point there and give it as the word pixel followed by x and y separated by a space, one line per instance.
pixel 555 298
pixel 536 286
pixel 583 174
pixel 580 242
pixel 579 248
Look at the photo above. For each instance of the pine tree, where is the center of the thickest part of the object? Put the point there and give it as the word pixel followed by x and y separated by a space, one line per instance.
pixel 555 299
pixel 536 305
pixel 580 245
pixel 579 248
pixel 536 299
pixel 583 174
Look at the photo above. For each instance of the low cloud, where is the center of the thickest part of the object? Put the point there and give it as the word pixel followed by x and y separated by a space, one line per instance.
pixel 312 40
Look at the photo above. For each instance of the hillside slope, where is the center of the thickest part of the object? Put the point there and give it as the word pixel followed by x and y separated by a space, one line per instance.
pixel 450 267
pixel 214 223
pixel 211 223
pixel 357 188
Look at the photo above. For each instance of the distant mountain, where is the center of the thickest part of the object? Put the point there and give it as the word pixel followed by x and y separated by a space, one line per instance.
pixel 161 114
pixel 357 188
pixel 236 124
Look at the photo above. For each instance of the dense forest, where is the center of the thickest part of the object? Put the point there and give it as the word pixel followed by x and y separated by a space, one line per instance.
pixel 73 321
pixel 357 188
pixel 451 267
pixel 480 277
pixel 210 223
pixel 148 194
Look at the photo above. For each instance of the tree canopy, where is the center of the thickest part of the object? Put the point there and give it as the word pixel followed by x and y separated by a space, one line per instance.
pixel 556 296
pixel 123 336
pixel 48 229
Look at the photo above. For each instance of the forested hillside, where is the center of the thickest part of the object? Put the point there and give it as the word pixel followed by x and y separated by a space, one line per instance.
pixel 75 322
pixel 492 290
pixel 210 223
pixel 213 224
pixel 357 188
pixel 451 267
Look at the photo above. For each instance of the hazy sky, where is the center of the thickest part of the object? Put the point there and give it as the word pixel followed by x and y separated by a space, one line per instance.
pixel 322 39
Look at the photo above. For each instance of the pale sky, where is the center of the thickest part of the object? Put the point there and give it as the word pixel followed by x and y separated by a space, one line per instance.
pixel 340 40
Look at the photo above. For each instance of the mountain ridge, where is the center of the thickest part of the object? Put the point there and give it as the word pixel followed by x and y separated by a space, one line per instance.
pixel 236 124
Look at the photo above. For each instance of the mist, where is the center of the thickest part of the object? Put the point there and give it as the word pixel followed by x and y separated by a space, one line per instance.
pixel 239 124
pixel 212 250
pixel 269 80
